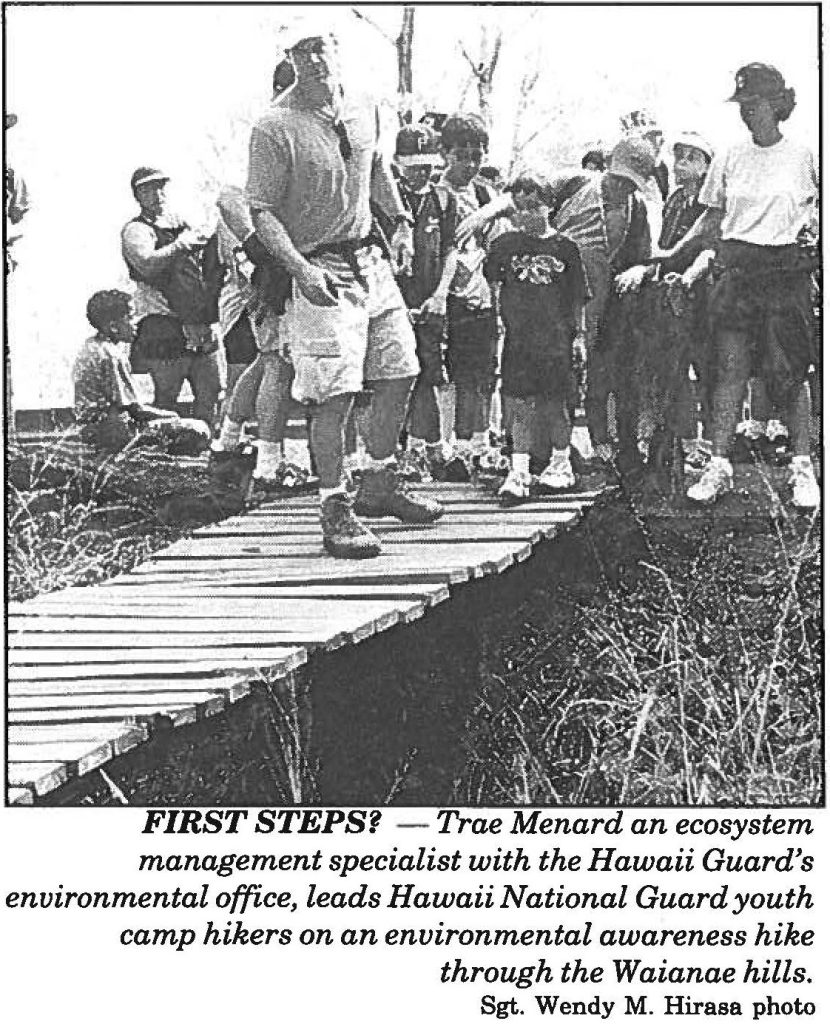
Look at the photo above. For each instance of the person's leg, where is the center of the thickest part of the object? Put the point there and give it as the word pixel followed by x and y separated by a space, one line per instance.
pixel 241 405
pixel 424 423
pixel 328 420
pixel 521 413
pixel 168 375
pixel 273 406
pixel 558 474
pixel 733 367
pixel 205 377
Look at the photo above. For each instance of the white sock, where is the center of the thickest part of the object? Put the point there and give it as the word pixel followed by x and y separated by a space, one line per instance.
pixel 520 464
pixel 229 435
pixel 417 445
pixel 378 464
pixel 802 460
pixel 480 442
pixel 269 458
pixel 326 492
pixel 559 456
pixel 463 448
pixel 435 448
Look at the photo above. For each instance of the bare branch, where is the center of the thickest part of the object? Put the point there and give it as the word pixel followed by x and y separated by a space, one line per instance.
pixel 475 67
pixel 370 21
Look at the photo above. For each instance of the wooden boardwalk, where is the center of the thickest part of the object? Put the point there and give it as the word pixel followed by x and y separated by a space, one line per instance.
pixel 94 671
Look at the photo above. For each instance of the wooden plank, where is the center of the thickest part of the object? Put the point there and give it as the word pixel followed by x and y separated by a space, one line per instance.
pixel 40 778
pixel 19 797
pixel 176 716
pixel 158 661
pixel 121 737
pixel 392 568
pixel 160 639
pixel 79 758
pixel 206 704
pixel 431 593
pixel 232 689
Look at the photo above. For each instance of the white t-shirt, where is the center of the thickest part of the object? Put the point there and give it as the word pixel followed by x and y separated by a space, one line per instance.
pixel 767 193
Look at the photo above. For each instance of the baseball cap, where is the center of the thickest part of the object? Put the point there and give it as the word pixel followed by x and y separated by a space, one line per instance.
pixel 417 144
pixel 757 81
pixel 633 159
pixel 694 141
pixel 143 175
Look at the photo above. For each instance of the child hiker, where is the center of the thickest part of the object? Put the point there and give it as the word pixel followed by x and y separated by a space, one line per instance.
pixel 542 298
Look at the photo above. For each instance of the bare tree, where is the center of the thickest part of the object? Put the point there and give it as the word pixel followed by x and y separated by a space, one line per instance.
pixel 484 69
pixel 529 82
pixel 403 48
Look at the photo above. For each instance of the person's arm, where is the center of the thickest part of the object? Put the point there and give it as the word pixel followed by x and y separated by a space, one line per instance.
pixel 385 195
pixel 483 217
pixel 138 245
pixel 436 304
pixel 702 235
pixel 268 170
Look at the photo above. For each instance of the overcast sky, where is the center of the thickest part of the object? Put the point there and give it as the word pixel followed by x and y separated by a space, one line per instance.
pixel 102 90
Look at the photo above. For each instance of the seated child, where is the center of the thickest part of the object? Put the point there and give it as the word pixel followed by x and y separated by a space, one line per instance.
pixel 541 299
pixel 106 404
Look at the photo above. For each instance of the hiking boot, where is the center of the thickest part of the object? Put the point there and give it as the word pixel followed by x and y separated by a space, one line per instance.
pixel 231 471
pixel 806 491
pixel 382 493
pixel 458 470
pixel 558 475
pixel 515 489
pixel 344 536
pixel 715 480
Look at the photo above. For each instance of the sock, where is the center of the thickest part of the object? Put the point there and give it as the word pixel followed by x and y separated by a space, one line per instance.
pixel 376 465
pixel 802 460
pixel 559 456
pixel 229 435
pixel 417 445
pixel 435 450
pixel 269 459
pixel 463 448
pixel 326 492
pixel 480 442
pixel 520 464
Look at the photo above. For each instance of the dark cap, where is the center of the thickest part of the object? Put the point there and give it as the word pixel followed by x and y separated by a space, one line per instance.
pixel 417 144
pixel 143 175
pixel 757 81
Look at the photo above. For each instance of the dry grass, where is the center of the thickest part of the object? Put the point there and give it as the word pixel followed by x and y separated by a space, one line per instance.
pixel 694 679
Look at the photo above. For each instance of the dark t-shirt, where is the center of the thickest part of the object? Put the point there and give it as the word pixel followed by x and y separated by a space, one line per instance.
pixel 543 287
pixel 432 239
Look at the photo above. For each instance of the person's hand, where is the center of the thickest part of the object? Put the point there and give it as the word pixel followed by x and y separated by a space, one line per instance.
pixel 190 240
pixel 630 280
pixel 698 269
pixel 403 250
pixel 435 305
pixel 318 286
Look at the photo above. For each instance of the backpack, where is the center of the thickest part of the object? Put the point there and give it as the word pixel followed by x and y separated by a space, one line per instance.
pixel 192 284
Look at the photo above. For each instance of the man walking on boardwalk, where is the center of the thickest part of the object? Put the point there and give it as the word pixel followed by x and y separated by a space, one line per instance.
pixel 314 166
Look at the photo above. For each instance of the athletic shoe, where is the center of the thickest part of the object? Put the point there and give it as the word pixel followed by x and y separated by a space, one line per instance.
pixel 715 480
pixel 806 491
pixel 515 489
pixel 383 493
pixel 458 470
pixel 344 536
pixel 558 475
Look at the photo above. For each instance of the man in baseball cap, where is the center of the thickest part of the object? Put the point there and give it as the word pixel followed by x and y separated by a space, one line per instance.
pixel 146 175
pixel 757 81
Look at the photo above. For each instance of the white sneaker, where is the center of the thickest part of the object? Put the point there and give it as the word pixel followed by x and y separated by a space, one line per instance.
pixel 558 475
pixel 806 491
pixel 515 489
pixel 715 480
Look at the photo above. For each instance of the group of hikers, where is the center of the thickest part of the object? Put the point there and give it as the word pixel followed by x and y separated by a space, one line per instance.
pixel 434 317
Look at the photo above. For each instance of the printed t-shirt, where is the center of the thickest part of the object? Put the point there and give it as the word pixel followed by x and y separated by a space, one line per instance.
pixel 767 193
pixel 543 287
pixel 469 284
pixel 102 379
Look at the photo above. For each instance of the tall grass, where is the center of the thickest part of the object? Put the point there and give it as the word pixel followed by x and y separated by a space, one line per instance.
pixel 694 680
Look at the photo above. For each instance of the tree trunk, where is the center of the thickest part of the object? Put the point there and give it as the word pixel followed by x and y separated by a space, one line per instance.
pixel 403 44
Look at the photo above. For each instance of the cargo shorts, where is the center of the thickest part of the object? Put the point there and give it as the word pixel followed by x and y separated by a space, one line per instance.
pixel 366 337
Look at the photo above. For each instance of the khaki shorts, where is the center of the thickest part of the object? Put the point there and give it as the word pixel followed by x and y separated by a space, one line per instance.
pixel 367 336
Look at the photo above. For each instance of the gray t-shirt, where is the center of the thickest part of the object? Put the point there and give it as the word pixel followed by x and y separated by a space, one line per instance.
pixel 297 172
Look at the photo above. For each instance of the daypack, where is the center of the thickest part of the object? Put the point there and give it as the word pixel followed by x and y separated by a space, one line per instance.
pixel 192 284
